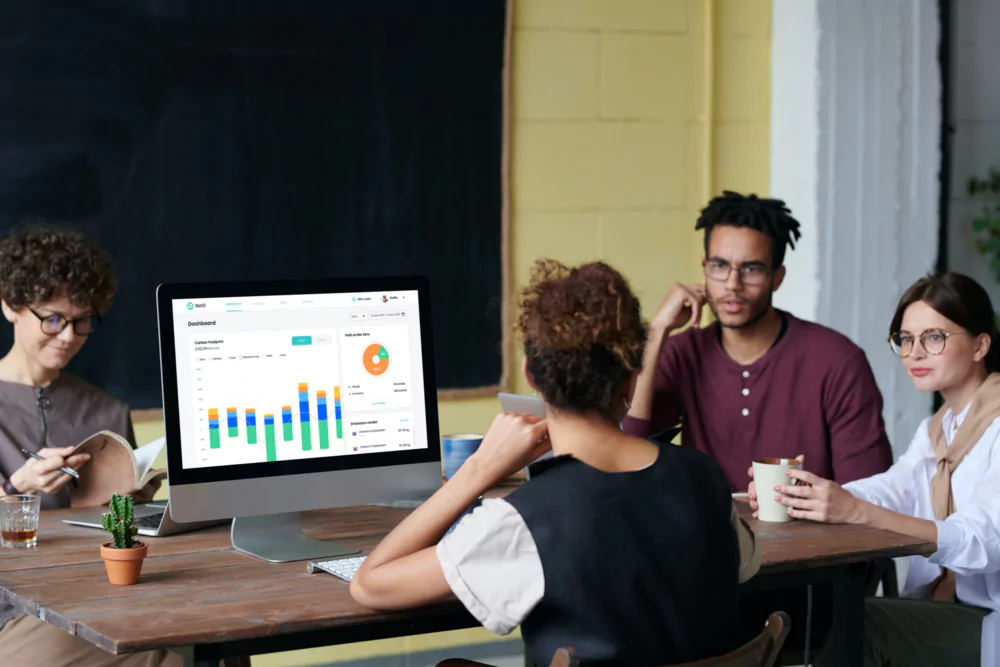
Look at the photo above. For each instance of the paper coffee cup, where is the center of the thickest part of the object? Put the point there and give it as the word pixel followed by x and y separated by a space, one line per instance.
pixel 767 474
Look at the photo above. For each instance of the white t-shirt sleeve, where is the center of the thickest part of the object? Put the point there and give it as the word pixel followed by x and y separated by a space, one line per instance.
pixel 491 563
pixel 749 550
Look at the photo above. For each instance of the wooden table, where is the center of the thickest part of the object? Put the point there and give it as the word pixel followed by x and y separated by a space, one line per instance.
pixel 205 601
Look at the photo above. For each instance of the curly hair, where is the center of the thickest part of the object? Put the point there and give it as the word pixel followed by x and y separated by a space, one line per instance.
pixel 583 334
pixel 40 261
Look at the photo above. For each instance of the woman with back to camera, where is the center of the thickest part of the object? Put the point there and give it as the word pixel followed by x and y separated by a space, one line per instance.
pixel 944 489
pixel 628 552
pixel 54 286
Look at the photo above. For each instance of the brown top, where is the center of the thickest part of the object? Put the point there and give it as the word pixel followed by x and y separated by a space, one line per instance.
pixel 73 410
pixel 813 393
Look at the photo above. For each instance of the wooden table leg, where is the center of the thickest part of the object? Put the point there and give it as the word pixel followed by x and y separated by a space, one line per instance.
pixel 848 629
pixel 191 661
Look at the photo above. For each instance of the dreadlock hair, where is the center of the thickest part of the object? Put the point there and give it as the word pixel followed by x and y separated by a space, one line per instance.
pixel 768 216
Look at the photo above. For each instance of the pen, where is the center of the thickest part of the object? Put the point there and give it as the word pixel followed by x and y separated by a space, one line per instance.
pixel 69 471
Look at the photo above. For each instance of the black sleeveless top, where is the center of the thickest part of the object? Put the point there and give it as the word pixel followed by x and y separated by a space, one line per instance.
pixel 641 568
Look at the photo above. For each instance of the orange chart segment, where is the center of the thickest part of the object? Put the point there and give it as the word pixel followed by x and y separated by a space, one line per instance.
pixel 376 359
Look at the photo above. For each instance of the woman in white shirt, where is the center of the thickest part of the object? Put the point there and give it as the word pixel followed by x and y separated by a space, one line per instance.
pixel 629 553
pixel 944 489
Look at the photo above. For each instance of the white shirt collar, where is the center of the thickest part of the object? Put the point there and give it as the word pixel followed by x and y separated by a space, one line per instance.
pixel 950 423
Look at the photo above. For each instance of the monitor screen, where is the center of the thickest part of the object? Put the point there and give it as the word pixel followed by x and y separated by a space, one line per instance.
pixel 291 382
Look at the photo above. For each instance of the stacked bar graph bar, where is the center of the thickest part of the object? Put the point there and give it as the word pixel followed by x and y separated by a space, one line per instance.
pixel 213 428
pixel 321 417
pixel 272 452
pixel 286 423
pixel 304 416
pixel 234 429
pixel 251 426
pixel 336 412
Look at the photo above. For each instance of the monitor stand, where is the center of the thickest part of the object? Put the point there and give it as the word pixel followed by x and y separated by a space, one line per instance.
pixel 278 538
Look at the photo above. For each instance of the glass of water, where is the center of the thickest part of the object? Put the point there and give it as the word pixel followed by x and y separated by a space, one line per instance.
pixel 19 521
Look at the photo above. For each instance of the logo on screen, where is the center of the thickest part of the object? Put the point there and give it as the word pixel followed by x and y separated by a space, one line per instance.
pixel 190 305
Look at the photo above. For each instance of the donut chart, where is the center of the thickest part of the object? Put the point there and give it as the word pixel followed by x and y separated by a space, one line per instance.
pixel 376 359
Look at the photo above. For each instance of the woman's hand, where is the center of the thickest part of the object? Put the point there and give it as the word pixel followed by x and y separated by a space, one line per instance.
pixel 146 493
pixel 820 500
pixel 513 441
pixel 752 491
pixel 44 476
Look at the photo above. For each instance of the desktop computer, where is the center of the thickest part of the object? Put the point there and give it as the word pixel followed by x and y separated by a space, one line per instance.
pixel 282 397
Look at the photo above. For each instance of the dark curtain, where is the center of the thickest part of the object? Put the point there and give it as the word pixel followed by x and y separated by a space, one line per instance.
pixel 247 140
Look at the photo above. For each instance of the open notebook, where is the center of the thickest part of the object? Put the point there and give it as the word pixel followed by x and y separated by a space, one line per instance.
pixel 114 467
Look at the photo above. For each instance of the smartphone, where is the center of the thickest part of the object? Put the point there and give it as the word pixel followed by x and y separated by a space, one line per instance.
pixel 532 405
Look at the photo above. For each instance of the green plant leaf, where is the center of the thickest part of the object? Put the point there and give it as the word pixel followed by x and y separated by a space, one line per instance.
pixel 980 224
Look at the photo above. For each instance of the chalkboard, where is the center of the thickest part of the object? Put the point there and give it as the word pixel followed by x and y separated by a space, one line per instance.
pixel 204 140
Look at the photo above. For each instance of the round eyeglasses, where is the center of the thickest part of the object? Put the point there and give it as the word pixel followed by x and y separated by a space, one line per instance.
pixel 55 324
pixel 933 341
pixel 750 274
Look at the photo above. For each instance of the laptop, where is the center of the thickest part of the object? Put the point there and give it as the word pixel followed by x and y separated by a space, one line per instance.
pixel 152 520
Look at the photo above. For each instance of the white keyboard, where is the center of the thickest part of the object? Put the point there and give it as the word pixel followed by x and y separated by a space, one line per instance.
pixel 340 567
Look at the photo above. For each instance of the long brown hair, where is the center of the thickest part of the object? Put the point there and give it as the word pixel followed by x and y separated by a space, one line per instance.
pixel 962 300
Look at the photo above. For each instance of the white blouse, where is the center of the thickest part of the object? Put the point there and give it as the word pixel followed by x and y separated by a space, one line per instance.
pixel 492 565
pixel 968 540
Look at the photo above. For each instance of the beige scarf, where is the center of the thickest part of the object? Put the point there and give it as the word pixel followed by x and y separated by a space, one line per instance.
pixel 983 410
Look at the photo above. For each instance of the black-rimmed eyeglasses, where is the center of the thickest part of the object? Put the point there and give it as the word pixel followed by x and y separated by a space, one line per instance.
pixel 56 323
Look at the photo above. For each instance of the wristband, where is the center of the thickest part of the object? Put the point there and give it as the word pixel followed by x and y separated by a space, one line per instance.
pixel 9 488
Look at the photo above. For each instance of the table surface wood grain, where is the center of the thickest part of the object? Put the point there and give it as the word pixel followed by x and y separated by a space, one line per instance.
pixel 195 589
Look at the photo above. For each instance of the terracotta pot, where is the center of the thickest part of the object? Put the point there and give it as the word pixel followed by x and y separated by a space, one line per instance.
pixel 123 565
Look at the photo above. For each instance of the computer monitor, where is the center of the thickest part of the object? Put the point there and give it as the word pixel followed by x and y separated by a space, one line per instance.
pixel 282 397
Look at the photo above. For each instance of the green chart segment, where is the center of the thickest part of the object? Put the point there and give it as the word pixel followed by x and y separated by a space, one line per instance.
pixel 272 450
pixel 304 417
pixel 321 417
pixel 251 427
pixel 287 425
pixel 213 429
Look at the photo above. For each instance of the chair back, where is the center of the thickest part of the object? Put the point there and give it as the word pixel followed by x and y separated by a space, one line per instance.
pixel 761 651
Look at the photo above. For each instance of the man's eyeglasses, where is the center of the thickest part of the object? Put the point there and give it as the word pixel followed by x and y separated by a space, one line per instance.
pixel 750 274
pixel 933 341
pixel 55 324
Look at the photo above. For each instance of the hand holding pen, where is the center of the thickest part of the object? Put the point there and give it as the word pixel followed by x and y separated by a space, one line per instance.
pixel 48 470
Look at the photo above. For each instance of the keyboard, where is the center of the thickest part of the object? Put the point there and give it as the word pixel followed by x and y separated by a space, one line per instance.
pixel 339 567
pixel 149 521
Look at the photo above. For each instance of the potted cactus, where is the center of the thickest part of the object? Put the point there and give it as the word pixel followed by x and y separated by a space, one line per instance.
pixel 122 556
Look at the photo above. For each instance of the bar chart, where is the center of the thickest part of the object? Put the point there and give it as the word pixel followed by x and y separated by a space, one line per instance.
pixel 304 418
pixel 290 381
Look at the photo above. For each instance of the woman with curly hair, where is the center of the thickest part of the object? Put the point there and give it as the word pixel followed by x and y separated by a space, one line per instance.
pixel 629 552
pixel 54 289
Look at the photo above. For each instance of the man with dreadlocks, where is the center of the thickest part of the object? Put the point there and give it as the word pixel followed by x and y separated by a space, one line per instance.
pixel 758 382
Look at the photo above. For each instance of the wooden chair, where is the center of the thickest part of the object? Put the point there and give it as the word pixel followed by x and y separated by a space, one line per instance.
pixel 762 651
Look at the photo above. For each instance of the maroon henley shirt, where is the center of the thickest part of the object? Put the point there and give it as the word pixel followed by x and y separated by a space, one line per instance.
pixel 812 393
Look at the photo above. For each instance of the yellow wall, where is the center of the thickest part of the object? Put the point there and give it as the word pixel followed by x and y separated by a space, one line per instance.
pixel 629 114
